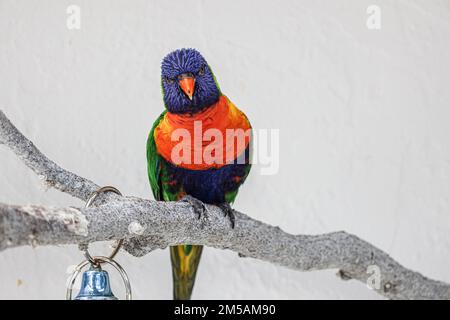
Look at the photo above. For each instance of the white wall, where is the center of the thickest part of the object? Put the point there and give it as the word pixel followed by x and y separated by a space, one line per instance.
pixel 364 118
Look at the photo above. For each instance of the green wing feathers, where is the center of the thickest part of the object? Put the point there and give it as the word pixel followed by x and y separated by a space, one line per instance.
pixel 230 196
pixel 154 162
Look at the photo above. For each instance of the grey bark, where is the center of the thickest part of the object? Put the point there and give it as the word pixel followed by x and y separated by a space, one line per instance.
pixel 147 225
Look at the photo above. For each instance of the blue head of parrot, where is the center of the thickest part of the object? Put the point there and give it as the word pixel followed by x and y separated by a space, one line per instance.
pixel 187 81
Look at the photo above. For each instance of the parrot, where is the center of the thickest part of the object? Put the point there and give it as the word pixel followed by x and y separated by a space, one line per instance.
pixel 178 169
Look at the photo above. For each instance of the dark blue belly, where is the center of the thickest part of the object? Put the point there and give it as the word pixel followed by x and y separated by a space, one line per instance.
pixel 209 186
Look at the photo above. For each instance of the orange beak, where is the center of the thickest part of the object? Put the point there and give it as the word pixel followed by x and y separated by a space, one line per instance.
pixel 187 84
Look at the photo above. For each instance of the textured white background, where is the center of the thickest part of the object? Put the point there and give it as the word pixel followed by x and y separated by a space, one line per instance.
pixel 364 118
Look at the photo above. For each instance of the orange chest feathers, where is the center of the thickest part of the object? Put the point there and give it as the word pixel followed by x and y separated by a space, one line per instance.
pixel 208 139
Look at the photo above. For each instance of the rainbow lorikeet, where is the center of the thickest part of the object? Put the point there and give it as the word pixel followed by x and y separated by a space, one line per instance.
pixel 206 169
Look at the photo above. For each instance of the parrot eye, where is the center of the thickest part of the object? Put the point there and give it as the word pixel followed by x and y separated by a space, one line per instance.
pixel 168 80
pixel 202 70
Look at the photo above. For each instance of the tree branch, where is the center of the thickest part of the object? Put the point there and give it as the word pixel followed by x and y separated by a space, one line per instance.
pixel 148 225
pixel 52 174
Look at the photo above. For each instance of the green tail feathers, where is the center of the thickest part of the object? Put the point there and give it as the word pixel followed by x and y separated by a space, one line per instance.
pixel 185 260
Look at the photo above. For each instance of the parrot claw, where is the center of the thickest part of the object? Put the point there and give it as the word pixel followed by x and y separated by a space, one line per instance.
pixel 228 211
pixel 198 206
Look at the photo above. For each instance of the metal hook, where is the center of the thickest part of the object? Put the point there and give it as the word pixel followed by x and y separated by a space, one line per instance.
pixel 84 247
